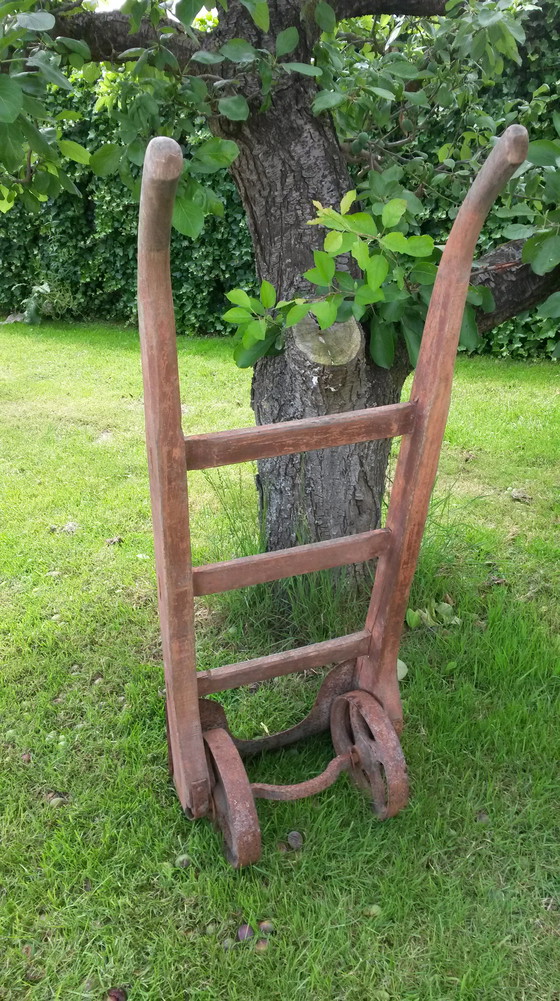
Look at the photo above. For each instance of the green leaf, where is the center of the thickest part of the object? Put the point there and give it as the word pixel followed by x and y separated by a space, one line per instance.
pixel 393 212
pixel 245 357
pixel 188 217
pixel 39 140
pixel 254 331
pixel 239 298
pixel 287 41
pixel 186 11
pixel 106 159
pixel 11 99
pixel 365 295
pixel 304 68
pixel 38 20
pixel 34 108
pixel 214 154
pixel 325 16
pixel 134 53
pixel 345 281
pixel 547 256
pixel 235 108
pixel 387 95
pixel 237 315
pixel 517 231
pixel 91 72
pixel 74 45
pixel 324 267
pixel 543 153
pixel 348 200
pixel 327 99
pixel 403 69
pixel 332 242
pixel 297 313
pixel 136 151
pixel 412 340
pixel 423 273
pixel 413 618
pixel 488 303
pixel 397 242
pixel 268 295
pixel 377 270
pixel 550 307
pixel 361 222
pixel 325 313
pixel 49 70
pixel 382 342
pixel 67 183
pixel 73 151
pixel 469 332
pixel 360 253
pixel 259 12
pixel 11 151
pixel 420 246
pixel 239 51
pixel 207 58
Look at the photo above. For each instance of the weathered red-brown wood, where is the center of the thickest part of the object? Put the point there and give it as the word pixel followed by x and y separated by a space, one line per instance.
pixel 361 730
pixel 206 451
pixel 419 453
pixel 168 474
pixel 303 658
pixel 231 574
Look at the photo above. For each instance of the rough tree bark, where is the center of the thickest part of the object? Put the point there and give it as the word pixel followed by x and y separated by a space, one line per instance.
pixel 288 157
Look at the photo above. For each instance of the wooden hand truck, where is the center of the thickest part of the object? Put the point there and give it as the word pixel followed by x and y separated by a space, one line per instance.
pixel 359 699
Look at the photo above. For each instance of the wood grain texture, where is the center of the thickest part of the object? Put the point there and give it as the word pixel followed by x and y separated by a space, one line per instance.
pixel 168 474
pixel 231 574
pixel 206 451
pixel 301 659
pixel 419 454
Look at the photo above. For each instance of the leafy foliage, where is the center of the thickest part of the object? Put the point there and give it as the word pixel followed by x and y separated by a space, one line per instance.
pixel 83 246
pixel 412 116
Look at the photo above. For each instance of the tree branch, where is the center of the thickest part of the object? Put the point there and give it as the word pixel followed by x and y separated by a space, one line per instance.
pixel 514 285
pixel 107 34
pixel 409 8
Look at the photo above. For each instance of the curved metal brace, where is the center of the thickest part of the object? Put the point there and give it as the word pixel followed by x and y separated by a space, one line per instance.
pixel 339 680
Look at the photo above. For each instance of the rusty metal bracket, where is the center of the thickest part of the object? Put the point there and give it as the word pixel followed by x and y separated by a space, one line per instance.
pixel 262 790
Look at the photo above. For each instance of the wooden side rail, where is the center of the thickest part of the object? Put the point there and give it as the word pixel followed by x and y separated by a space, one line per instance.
pixel 303 658
pixel 206 451
pixel 232 574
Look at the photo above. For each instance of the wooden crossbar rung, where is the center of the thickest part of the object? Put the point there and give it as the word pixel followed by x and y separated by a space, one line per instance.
pixel 206 451
pixel 232 574
pixel 303 658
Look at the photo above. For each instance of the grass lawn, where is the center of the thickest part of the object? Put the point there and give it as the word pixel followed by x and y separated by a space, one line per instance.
pixel 457 898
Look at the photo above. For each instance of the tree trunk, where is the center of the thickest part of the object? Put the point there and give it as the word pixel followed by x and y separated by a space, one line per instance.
pixel 289 158
pixel 329 492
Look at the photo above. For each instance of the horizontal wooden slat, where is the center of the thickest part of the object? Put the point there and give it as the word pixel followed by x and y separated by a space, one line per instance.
pixel 232 574
pixel 206 451
pixel 303 658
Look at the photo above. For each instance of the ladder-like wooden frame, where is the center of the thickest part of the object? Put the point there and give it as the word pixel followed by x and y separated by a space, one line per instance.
pixel 360 698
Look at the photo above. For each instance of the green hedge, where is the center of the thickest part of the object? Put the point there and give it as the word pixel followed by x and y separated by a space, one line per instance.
pixel 85 249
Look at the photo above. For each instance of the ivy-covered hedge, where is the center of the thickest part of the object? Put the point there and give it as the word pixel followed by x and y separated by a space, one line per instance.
pixel 85 250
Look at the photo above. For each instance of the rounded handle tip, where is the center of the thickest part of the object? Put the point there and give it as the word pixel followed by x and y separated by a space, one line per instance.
pixel 164 159
pixel 516 143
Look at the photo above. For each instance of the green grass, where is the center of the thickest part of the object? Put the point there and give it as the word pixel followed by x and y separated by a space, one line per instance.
pixel 467 878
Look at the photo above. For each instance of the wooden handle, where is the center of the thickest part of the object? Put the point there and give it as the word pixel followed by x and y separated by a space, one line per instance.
pixel 163 166
pixel 508 154
pixel 168 473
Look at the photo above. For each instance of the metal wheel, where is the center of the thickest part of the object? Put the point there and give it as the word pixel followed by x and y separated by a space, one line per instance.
pixel 233 806
pixel 359 724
